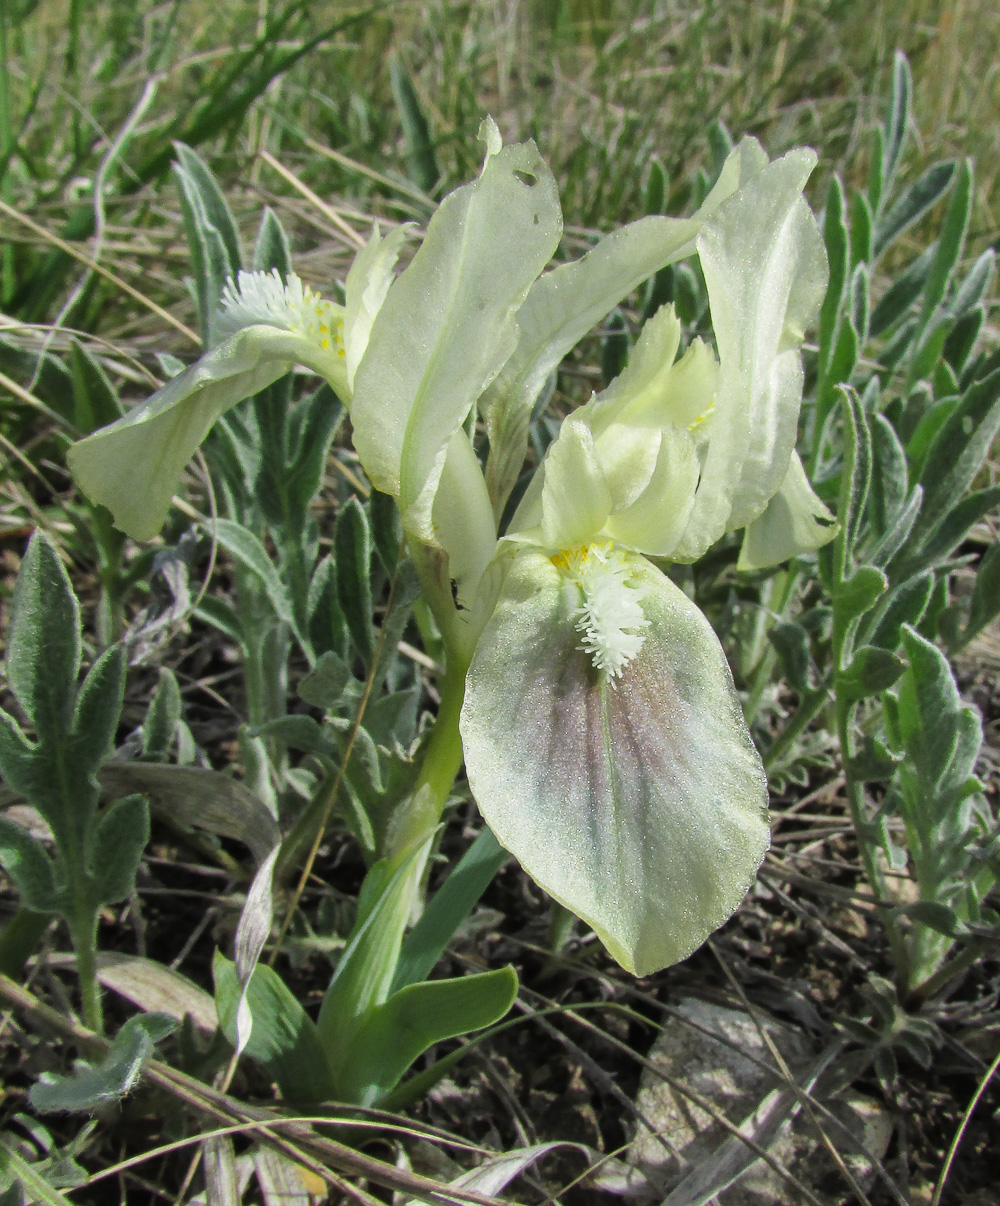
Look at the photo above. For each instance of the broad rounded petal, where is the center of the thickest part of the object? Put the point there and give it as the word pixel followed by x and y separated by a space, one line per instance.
pixel 795 522
pixel 654 522
pixel 132 466
pixel 575 496
pixel 642 807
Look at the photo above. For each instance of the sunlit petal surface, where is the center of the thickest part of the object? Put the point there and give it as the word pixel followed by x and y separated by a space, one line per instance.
pixel 639 802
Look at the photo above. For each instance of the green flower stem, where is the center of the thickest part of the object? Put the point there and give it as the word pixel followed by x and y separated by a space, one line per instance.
pixel 367 981
pixel 111 573
pixel 411 838
pixel 83 930
pixel 443 757
pixel 71 826
pixel 440 767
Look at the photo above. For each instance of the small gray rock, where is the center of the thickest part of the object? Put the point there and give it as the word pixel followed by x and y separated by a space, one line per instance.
pixel 724 1074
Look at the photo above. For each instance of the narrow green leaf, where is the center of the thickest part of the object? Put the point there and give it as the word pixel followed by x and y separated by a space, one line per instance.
pixel 945 383
pixel 951 531
pixel 20 764
pixel 365 970
pixel 935 915
pixel 660 291
pixel 855 481
pixel 922 419
pixel 720 144
pixel 195 796
pixel 31 1179
pixel 976 284
pixel 242 544
pixel 843 360
pixel 52 380
pixel 98 709
pixel 327 627
pixel 890 475
pixel 159 727
pixel 614 347
pixel 29 866
pixel 413 1020
pixel 271 249
pixel 422 161
pixel 837 240
pixel 985 603
pixel 13 1195
pixel 861 229
pixel 19 939
pixel 95 400
pixel 957 453
pixel 874 185
pixel 882 551
pixel 933 723
pixel 118 842
pixel 875 763
pixel 961 340
pixel 901 294
pixel 219 614
pixel 860 302
pixel 323 414
pixel 352 549
pixel 298 733
pixel 928 354
pixel 448 908
pixel 387 530
pixel 405 594
pixel 284 1039
pixel 43 643
pixel 212 234
pixel 657 187
pixel 92 1086
pixel 912 205
pixel 689 296
pixel 897 118
pixel 897 348
pixel 951 239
